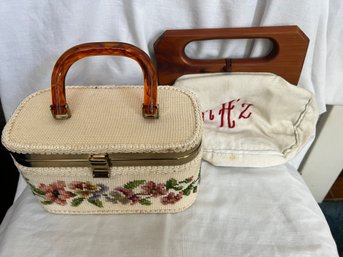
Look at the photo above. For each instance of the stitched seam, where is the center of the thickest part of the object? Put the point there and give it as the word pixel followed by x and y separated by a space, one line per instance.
pixel 258 152
pixel 238 150
pixel 296 127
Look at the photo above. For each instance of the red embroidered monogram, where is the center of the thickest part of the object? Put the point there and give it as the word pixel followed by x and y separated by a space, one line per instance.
pixel 246 106
pixel 228 114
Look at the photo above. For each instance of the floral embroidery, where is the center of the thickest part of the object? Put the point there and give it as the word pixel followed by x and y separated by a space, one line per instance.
pixel 129 193
pixel 171 198
pixel 150 188
pixel 89 191
pixel 54 193
pixel 134 192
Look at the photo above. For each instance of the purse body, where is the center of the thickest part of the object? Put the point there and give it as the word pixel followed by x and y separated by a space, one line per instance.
pixel 107 158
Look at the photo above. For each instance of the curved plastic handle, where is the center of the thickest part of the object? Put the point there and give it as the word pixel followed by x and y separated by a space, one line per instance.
pixel 286 59
pixel 59 107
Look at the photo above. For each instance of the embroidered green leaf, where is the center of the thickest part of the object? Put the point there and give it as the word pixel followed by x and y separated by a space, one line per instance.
pixel 195 189
pixel 188 190
pixel 97 203
pixel 77 201
pixel 173 184
pixel 145 202
pixel 46 202
pixel 37 191
pixel 120 198
pixel 134 184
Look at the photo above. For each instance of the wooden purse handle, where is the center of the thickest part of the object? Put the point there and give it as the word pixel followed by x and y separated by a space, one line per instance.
pixel 286 58
pixel 59 107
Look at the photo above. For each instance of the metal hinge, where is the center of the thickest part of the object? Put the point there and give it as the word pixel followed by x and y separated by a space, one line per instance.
pixel 101 165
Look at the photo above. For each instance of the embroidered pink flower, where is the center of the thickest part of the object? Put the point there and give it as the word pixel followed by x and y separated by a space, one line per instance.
pixel 129 194
pixel 153 189
pixel 56 193
pixel 171 198
pixel 83 189
pixel 87 189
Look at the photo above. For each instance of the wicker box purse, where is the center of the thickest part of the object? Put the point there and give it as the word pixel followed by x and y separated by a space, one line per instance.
pixel 112 155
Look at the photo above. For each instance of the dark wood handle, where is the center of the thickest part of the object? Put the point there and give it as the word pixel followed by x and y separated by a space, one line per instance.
pixel 59 107
pixel 286 58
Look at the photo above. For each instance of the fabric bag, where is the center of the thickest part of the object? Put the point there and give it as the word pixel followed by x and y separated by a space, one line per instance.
pixel 108 154
pixel 251 119
pixel 254 115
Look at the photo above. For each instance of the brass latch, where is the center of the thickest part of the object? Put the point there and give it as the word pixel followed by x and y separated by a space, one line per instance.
pixel 101 165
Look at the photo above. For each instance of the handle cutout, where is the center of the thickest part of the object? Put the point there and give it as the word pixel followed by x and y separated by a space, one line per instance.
pixel 229 49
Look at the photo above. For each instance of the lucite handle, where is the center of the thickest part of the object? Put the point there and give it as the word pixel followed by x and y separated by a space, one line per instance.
pixel 59 107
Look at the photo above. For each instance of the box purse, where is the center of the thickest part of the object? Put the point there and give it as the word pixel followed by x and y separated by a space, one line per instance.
pixel 112 155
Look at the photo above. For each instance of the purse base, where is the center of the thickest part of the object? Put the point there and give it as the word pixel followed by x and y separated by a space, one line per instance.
pixel 130 189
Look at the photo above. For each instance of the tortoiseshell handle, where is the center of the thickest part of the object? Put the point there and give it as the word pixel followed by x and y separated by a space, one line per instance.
pixel 59 107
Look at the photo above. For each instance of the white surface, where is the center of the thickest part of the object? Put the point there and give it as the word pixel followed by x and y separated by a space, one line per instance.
pixel 325 161
pixel 35 33
pixel 248 121
pixel 239 212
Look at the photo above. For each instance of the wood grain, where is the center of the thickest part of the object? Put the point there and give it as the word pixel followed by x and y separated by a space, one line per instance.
pixel 78 52
pixel 286 58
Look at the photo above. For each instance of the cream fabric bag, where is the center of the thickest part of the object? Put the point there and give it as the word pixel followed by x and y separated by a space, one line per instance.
pixel 251 119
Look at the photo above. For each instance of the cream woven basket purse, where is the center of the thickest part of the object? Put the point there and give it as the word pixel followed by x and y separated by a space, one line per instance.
pixel 112 155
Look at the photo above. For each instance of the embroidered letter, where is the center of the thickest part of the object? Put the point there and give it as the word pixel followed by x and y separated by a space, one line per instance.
pixel 231 123
pixel 226 113
pixel 211 116
pixel 243 112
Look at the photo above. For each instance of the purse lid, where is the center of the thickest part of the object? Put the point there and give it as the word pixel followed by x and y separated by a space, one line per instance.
pixel 105 120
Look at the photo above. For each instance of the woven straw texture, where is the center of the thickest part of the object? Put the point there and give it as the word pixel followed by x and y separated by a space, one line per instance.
pixel 150 189
pixel 105 120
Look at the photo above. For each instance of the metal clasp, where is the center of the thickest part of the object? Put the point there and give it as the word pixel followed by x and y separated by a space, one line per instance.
pixel 101 165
